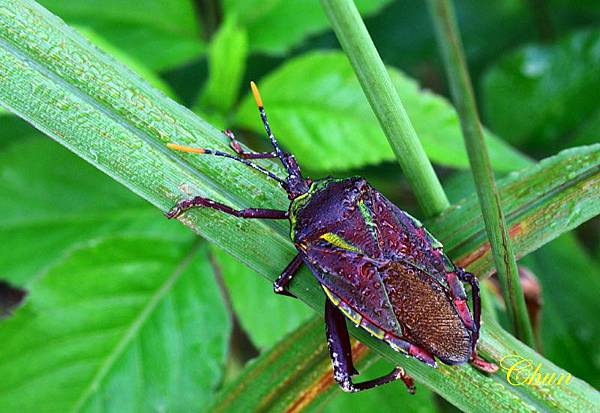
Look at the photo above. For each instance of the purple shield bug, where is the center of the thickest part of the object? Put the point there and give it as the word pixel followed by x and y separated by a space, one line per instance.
pixel 378 266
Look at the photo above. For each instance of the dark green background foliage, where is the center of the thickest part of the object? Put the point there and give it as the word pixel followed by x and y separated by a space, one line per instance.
pixel 129 312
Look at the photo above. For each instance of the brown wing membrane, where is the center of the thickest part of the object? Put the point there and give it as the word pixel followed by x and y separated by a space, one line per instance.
pixel 427 316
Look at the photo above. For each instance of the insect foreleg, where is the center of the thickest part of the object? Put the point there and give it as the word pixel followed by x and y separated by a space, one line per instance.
pixel 199 201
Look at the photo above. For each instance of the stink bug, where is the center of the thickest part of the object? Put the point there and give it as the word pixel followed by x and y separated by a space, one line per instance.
pixel 378 266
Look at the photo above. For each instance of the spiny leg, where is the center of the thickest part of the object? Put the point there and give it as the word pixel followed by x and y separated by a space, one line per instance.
pixel 281 283
pixel 338 342
pixel 199 201
pixel 237 147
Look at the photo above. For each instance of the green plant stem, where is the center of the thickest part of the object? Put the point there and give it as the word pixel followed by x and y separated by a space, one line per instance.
pixel 448 37
pixel 383 98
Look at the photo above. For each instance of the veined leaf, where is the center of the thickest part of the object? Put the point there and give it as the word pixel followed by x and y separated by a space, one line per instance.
pixel 274 26
pixel 318 110
pixel 47 210
pixel 110 117
pixel 123 325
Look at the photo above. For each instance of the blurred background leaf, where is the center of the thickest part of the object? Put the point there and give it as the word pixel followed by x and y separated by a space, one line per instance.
pixel 538 97
pixel 320 113
pixel 278 25
pixel 265 316
pixel 227 62
pixel 570 281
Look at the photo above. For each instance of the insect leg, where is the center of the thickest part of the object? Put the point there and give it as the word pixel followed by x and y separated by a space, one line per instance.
pixel 459 298
pixel 235 145
pixel 338 342
pixel 199 201
pixel 280 284
pixel 476 296
pixel 481 364
pixel 476 361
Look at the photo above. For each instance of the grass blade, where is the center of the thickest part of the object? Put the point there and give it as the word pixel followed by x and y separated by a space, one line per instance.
pixel 386 104
pixel 448 37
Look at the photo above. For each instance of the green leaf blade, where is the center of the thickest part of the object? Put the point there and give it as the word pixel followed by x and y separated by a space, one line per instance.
pixel 109 317
pixel 278 25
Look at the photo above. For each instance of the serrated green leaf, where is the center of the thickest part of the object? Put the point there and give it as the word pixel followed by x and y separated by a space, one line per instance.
pixel 274 26
pixel 318 110
pixel 159 33
pixel 540 93
pixel 226 65
pixel 266 317
pixel 123 325
pixel 47 210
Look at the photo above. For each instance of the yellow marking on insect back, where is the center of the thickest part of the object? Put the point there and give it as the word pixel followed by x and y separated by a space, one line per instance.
pixel 332 297
pixel 350 313
pixel 185 148
pixel 338 241
pixel 256 94
pixel 364 211
pixel 371 328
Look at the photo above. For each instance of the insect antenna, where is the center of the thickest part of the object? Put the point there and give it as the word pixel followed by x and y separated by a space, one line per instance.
pixel 263 117
pixel 205 151
pixel 284 157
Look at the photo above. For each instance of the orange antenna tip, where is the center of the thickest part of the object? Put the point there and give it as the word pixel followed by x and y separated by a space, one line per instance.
pixel 185 148
pixel 256 94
